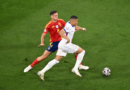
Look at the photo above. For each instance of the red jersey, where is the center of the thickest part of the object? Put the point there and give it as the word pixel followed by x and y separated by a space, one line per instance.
pixel 53 28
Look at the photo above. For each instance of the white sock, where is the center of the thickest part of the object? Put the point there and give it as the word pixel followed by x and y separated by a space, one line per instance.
pixel 79 59
pixel 49 65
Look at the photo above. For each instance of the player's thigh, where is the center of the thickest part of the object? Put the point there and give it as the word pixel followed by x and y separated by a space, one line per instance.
pixel 71 48
pixel 60 52
pixel 46 54
pixel 79 50
pixel 53 46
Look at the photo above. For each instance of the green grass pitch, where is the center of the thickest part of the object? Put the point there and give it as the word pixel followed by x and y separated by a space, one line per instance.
pixel 107 44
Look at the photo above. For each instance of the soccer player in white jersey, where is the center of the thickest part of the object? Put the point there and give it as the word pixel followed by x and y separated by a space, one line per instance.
pixel 65 46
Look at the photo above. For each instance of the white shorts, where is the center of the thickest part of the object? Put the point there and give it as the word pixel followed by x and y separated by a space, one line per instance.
pixel 63 49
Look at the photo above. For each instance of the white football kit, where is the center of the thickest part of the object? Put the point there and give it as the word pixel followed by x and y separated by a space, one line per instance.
pixel 64 48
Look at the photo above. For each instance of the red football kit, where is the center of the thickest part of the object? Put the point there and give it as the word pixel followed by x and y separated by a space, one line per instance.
pixel 53 28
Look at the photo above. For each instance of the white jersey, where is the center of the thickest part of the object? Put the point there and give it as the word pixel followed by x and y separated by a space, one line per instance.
pixel 64 48
pixel 69 31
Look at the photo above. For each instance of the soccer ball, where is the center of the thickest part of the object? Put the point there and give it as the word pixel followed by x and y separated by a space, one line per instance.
pixel 106 71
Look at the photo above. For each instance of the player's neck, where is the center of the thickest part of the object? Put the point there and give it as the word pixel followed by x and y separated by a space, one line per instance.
pixel 71 23
pixel 54 20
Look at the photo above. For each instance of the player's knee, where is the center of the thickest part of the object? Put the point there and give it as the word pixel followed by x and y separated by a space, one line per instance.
pixel 39 59
pixel 56 61
pixel 83 52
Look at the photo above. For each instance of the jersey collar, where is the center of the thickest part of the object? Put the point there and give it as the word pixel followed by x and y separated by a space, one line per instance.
pixel 54 22
pixel 70 24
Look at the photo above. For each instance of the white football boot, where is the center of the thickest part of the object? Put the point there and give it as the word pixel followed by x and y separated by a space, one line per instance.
pixel 83 67
pixel 76 71
pixel 41 75
pixel 27 68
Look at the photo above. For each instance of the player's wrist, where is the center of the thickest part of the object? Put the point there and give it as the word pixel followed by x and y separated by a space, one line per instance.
pixel 83 29
pixel 42 43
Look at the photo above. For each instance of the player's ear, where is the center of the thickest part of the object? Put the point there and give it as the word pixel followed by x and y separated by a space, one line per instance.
pixel 51 16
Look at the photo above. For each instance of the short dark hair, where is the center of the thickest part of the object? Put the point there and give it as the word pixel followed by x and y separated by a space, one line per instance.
pixel 52 12
pixel 73 17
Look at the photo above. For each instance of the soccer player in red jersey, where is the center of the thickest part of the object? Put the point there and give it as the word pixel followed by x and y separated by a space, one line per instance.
pixel 53 27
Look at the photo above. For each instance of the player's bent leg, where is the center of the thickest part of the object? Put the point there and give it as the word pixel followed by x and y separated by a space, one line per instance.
pixel 79 50
pixel 80 56
pixel 46 68
pixel 44 56
pixel 37 60
pixel 49 65
pixel 58 58
pixel 76 58
pixel 80 65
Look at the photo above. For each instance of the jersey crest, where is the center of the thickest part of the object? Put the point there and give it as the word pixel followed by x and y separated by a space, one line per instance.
pixel 67 28
pixel 57 26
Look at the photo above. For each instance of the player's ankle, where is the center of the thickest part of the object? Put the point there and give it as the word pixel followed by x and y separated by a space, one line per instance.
pixel 31 65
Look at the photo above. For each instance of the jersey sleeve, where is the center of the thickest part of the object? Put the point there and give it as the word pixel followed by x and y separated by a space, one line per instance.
pixel 46 29
pixel 67 28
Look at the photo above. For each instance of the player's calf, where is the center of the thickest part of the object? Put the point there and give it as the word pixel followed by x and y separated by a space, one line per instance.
pixel 81 55
pixel 49 65
pixel 79 59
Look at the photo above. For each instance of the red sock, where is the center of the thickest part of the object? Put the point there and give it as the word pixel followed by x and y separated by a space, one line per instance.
pixel 76 58
pixel 34 63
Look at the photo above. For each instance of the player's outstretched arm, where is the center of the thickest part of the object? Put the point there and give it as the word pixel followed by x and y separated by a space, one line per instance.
pixel 62 34
pixel 79 28
pixel 42 40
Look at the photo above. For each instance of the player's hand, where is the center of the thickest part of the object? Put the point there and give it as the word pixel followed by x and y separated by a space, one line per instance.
pixel 84 30
pixel 41 45
pixel 68 40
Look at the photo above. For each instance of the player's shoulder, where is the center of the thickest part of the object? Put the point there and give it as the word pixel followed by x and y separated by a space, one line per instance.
pixel 48 24
pixel 61 20
pixel 68 24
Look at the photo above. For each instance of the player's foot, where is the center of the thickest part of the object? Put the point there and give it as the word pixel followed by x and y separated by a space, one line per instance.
pixel 76 71
pixel 83 67
pixel 27 68
pixel 41 75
